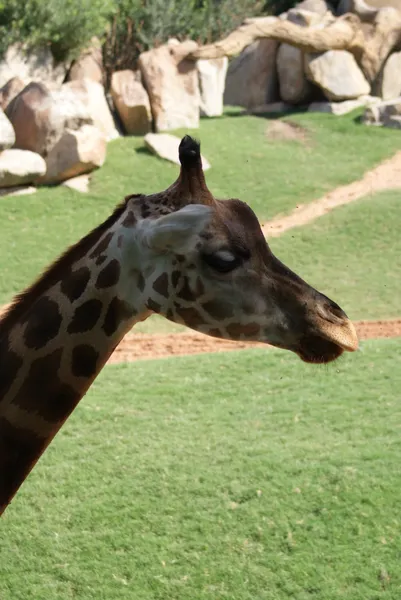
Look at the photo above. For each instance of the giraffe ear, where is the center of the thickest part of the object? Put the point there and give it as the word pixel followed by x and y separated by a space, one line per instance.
pixel 177 231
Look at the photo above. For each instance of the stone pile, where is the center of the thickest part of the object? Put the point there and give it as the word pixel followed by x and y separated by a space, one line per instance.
pixel 56 119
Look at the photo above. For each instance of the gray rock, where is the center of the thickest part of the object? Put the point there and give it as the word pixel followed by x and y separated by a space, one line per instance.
pixel 342 108
pixel 385 113
pixel 28 65
pixel 20 167
pixel 11 89
pixel 252 76
pixel 390 81
pixel 212 78
pixel 337 74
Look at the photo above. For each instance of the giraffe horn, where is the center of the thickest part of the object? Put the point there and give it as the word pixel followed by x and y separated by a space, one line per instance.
pixel 192 179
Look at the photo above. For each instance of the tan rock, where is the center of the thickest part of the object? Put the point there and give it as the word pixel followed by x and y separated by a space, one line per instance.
pixel 27 64
pixel 89 65
pixel 344 107
pixel 79 183
pixel 9 90
pixel 317 6
pixel 172 85
pixel 131 101
pixel 91 95
pixel 24 190
pixel 75 153
pixel 252 76
pixel 7 135
pixel 212 79
pixel 166 146
pixel 20 167
pixel 39 117
pixel 337 74
pixel 390 81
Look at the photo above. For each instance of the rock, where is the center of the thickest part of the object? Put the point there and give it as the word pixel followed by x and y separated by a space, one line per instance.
pixel 20 167
pixel 212 78
pixel 366 11
pixel 317 6
pixel 7 135
pixel 9 90
pixel 342 108
pixel 18 191
pixel 39 117
pixel 387 113
pixel 75 153
pixel 252 76
pixel 390 81
pixel 172 84
pixel 307 18
pixel 37 64
pixel 293 84
pixel 272 107
pixel 166 145
pixel 131 101
pixel 91 95
pixel 79 183
pixel 337 74
pixel 89 65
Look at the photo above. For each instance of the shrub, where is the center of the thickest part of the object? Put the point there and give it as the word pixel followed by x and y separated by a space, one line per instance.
pixel 64 25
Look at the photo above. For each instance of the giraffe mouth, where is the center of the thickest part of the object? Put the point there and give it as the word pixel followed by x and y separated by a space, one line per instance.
pixel 318 350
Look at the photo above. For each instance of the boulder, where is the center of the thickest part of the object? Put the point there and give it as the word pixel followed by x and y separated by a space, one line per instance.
pixel 212 78
pixel 18 190
pixel 337 74
pixel 20 167
pixel 342 108
pixel 131 101
pixel 166 146
pixel 89 64
pixel 293 84
pixel 80 183
pixel 75 153
pixel 366 11
pixel 172 85
pixel 91 95
pixel 27 64
pixel 39 117
pixel 7 135
pixel 387 113
pixel 389 85
pixel 320 7
pixel 270 108
pixel 9 90
pixel 252 76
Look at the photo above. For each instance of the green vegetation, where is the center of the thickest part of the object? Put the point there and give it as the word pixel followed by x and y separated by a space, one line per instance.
pixel 175 487
pixel 273 177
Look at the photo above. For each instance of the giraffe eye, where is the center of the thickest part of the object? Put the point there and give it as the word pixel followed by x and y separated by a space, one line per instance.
pixel 223 261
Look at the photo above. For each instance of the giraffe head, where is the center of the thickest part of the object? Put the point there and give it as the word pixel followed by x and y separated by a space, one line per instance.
pixel 207 265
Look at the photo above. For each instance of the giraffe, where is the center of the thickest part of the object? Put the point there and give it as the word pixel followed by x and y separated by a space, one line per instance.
pixel 181 253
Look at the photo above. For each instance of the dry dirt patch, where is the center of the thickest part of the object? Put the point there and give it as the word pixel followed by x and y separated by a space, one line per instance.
pixel 287 131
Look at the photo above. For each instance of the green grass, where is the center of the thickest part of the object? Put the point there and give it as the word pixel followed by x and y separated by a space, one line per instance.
pixel 175 487
pixel 273 177
pixel 353 255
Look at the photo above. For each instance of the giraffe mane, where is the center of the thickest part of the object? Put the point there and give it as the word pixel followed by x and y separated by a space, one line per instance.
pixel 24 300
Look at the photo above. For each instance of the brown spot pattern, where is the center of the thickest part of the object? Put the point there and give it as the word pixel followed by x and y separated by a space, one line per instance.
pixel 141 282
pixel 75 284
pixel 102 245
pixel 130 220
pixel 100 259
pixel 175 277
pixel 218 310
pixel 84 361
pixel 10 364
pixel 161 285
pixel 120 241
pixel 152 305
pixel 43 323
pixel 85 316
pixel 236 330
pixel 185 292
pixel 109 276
pixel 189 316
pixel 117 312
pixel 43 392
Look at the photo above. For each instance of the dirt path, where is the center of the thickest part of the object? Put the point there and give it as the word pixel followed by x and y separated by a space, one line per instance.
pixel 141 346
pixel 385 176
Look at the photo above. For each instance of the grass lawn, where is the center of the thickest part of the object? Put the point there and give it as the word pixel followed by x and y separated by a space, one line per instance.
pixel 243 475
pixel 273 177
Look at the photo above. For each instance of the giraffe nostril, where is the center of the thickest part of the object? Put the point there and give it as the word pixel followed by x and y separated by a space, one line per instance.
pixel 330 310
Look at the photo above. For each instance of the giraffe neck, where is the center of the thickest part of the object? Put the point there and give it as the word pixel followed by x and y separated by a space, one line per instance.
pixel 52 348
